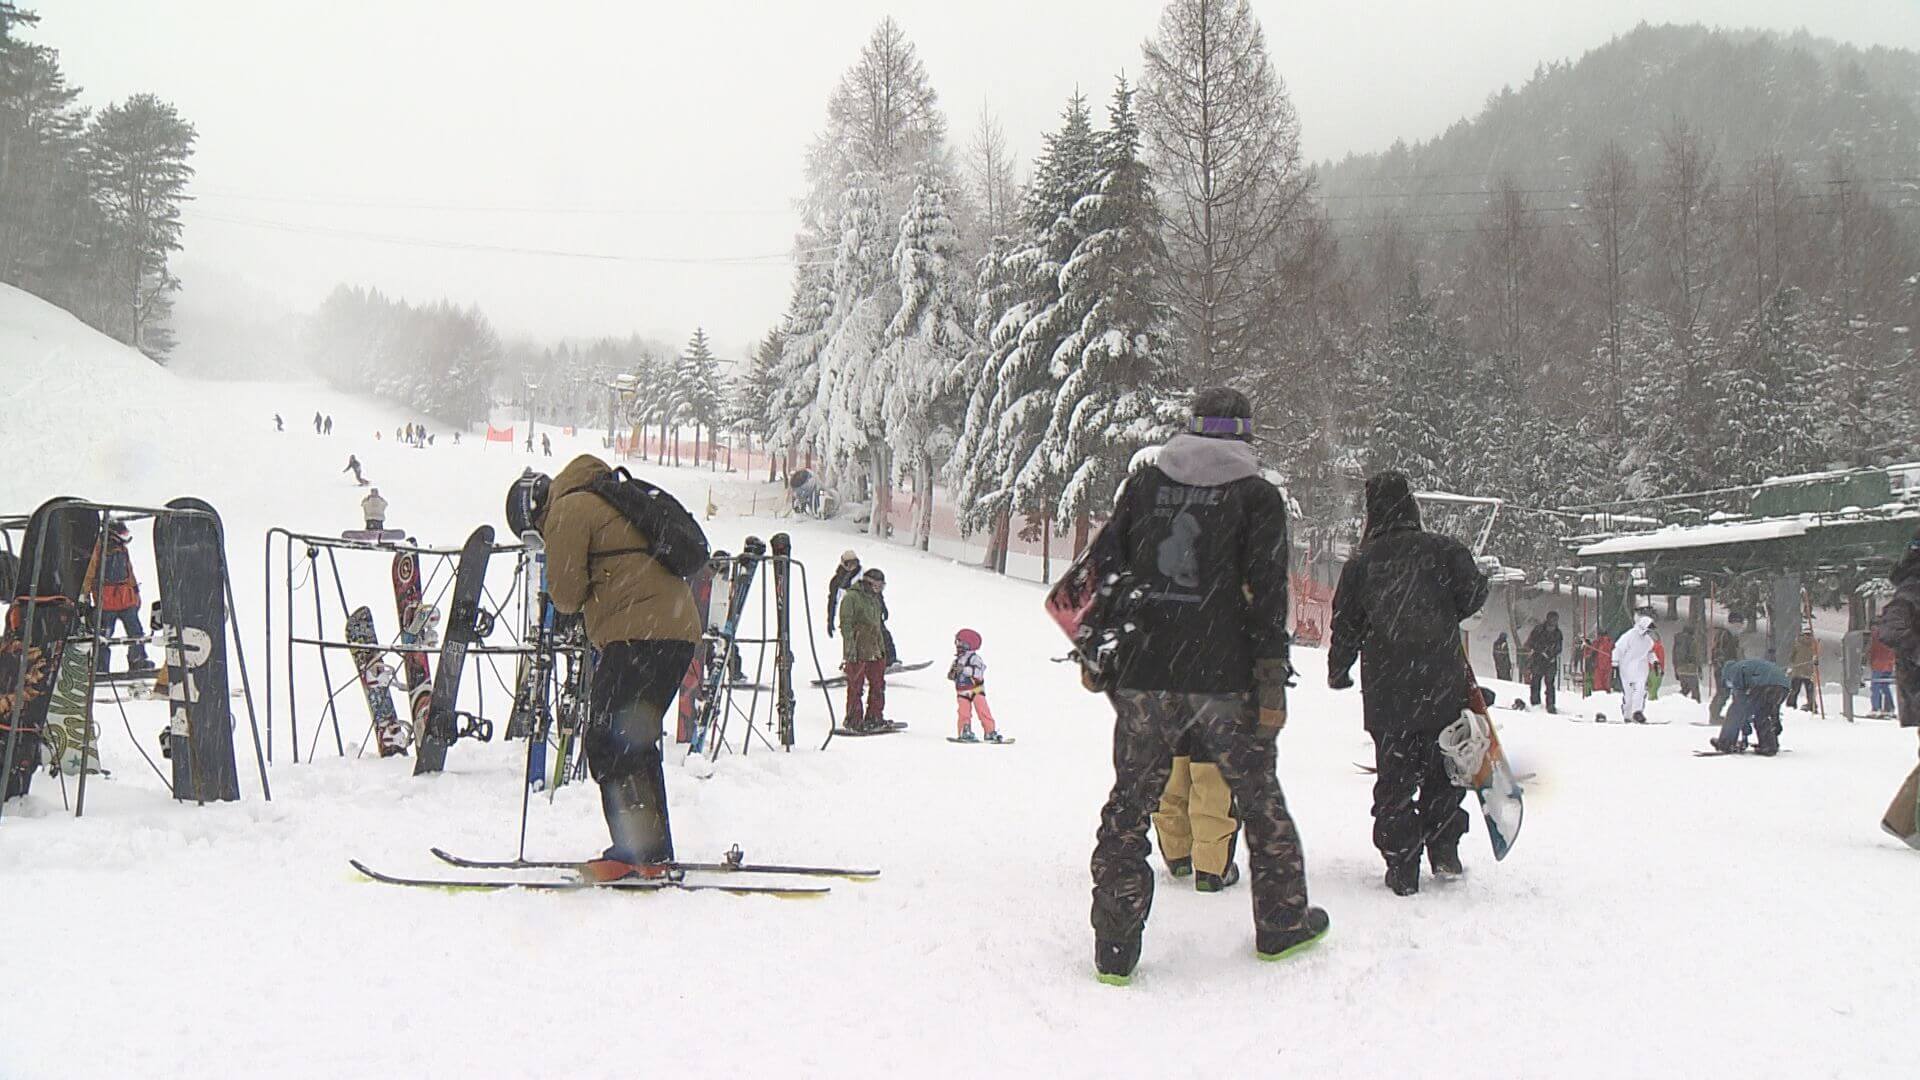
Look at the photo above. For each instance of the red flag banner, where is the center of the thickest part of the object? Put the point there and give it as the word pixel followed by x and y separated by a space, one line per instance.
pixel 495 434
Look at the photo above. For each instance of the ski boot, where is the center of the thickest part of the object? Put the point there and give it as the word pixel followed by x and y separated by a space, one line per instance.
pixel 614 866
pixel 995 737
pixel 1639 718
pixel 1280 946
pixel 1404 879
pixel 1212 883
pixel 967 735
pixel 1445 859
pixel 1113 961
pixel 1181 867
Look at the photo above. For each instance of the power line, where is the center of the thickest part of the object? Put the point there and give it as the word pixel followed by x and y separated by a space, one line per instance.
pixel 354 202
pixel 767 259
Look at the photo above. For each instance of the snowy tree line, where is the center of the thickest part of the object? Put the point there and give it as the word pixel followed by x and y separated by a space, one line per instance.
pixel 1665 321
pixel 438 359
pixel 89 201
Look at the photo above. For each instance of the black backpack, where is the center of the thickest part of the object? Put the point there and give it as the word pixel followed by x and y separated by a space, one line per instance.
pixel 679 544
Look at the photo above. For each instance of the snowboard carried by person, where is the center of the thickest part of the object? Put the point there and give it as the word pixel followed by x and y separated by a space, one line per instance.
pixel 467 623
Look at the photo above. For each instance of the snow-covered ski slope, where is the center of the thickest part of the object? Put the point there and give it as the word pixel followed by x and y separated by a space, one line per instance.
pixel 1662 915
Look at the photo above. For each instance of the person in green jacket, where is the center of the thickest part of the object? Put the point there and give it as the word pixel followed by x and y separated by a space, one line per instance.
pixel 863 638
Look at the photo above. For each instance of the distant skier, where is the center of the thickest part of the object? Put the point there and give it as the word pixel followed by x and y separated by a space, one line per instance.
pixel 1502 658
pixel 1880 665
pixel 456 438
pixel 863 641
pixel 316 424
pixel 546 445
pixel 279 424
pixel 406 435
pixel 1633 657
pixel 1204 654
pixel 844 575
pixel 1806 660
pixel 969 677
pixel 110 580
pixel 641 618
pixel 1398 608
pixel 353 466
pixel 374 509
pixel 1686 660
pixel 1600 663
pixel 1759 688
pixel 329 425
pixel 1543 660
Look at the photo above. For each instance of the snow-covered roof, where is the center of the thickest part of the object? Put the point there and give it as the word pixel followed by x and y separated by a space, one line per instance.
pixel 1676 537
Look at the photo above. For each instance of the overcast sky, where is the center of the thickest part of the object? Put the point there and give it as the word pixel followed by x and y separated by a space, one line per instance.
pixel 668 137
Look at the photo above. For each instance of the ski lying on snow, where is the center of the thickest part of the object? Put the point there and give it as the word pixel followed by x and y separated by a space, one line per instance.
pixel 576 885
pixel 688 867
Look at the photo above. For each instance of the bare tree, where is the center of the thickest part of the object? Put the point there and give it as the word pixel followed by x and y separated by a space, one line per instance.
pixel 1612 213
pixel 1226 144
pixel 884 116
pixel 989 164
pixel 1687 191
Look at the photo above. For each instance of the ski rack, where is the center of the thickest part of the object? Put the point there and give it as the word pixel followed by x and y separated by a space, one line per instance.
pixel 725 708
pixel 110 513
pixel 316 544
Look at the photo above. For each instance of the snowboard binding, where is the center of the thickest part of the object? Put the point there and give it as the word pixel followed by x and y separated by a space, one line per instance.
pixel 473 727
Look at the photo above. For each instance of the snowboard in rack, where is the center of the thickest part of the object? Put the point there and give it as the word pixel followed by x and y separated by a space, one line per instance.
pixel 579 885
pixel 728 866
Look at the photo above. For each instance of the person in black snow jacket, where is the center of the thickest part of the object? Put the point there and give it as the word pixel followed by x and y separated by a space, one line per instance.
pixel 279 424
pixel 1203 539
pixel 1543 660
pixel 1397 609
pixel 843 579
pixel 1898 628
pixel 316 423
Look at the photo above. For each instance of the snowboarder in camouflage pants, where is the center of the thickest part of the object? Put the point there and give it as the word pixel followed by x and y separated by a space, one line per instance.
pixel 1203 539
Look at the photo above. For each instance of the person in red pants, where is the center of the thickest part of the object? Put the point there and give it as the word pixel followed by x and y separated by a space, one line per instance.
pixel 863 637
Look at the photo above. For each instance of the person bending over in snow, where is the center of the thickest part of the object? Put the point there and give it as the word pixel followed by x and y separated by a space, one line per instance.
pixel 1195 823
pixel 1759 688
pixel 863 639
pixel 353 466
pixel 643 621
pixel 1397 609
pixel 1203 538
pixel 969 677
pixel 374 509
pixel 1633 659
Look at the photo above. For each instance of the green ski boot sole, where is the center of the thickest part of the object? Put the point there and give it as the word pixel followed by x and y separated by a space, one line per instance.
pixel 1114 980
pixel 1288 953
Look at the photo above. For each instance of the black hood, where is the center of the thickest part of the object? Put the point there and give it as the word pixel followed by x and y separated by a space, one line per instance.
pixel 1907 570
pixel 1390 503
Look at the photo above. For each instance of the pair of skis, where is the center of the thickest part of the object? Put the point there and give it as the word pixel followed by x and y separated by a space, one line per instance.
pixel 675 877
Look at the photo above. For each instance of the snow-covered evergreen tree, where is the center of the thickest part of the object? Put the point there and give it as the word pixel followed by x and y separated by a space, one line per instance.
pixel 1008 470
pixel 1112 396
pixel 925 345
pixel 701 395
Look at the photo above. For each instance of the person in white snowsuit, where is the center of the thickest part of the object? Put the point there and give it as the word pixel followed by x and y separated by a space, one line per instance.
pixel 1632 662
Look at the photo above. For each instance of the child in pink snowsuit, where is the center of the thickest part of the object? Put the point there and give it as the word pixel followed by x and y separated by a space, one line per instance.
pixel 969 675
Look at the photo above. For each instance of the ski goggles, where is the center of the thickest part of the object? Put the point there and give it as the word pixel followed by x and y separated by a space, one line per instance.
pixel 1220 425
